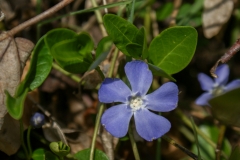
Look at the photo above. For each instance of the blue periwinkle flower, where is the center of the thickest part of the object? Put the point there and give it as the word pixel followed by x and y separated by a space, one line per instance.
pixel 217 86
pixel 37 120
pixel 134 102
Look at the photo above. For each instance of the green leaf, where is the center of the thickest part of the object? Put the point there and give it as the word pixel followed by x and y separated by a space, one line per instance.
pixel 73 55
pixel 42 154
pixel 138 49
pixel 159 72
pixel 235 154
pixel 207 151
pixel 164 11
pixel 226 108
pixel 103 46
pixel 15 106
pixel 85 155
pixel 40 67
pixel 102 51
pixel 121 32
pixel 173 49
pixel 57 35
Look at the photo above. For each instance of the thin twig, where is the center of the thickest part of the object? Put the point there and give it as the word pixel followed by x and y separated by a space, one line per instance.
pixel 226 57
pixel 37 19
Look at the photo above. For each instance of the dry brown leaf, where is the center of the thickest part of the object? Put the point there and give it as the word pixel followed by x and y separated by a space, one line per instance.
pixel 13 56
pixel 10 135
pixel 216 14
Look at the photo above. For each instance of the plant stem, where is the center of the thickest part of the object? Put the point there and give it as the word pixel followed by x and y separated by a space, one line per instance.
pixel 158 155
pixel 72 76
pixel 37 18
pixel 29 141
pixel 130 18
pixel 114 59
pixel 220 141
pixel 97 125
pixel 99 18
pixel 22 140
pixel 134 145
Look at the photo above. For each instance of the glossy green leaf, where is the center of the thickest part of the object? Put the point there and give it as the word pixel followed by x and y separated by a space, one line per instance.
pixel 164 11
pixel 40 67
pixel 206 150
pixel 159 72
pixel 173 49
pixel 42 154
pixel 15 106
pixel 138 49
pixel 57 35
pixel 85 155
pixel 121 32
pixel 226 108
pixel 235 155
pixel 102 51
pixel 74 55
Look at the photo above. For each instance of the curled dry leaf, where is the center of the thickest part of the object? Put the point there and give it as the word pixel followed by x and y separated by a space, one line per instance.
pixel 13 56
pixel 216 14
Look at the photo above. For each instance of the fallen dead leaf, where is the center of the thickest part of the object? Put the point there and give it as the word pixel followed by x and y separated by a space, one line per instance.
pixel 216 14
pixel 10 135
pixel 13 56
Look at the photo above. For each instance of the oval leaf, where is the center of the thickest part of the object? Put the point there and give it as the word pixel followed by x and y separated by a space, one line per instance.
pixel 68 56
pixel 40 67
pixel 85 155
pixel 226 107
pixel 102 51
pixel 173 49
pixel 121 31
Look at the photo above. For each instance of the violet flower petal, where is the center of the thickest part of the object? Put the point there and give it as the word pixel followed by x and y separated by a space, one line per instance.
pixel 232 85
pixel 164 98
pixel 202 100
pixel 139 76
pixel 205 81
pixel 113 90
pixel 222 72
pixel 149 125
pixel 116 120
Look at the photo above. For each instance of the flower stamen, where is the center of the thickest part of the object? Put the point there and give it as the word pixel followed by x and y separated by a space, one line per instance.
pixel 136 103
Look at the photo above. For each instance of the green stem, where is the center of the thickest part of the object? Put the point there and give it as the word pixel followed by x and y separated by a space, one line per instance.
pixel 99 18
pixel 130 18
pixel 100 73
pixel 158 155
pixel 114 59
pixel 22 140
pixel 70 75
pixel 134 145
pixel 29 141
pixel 97 124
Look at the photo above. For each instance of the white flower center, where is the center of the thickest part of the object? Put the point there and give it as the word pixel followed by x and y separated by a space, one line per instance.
pixel 136 103
pixel 217 90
